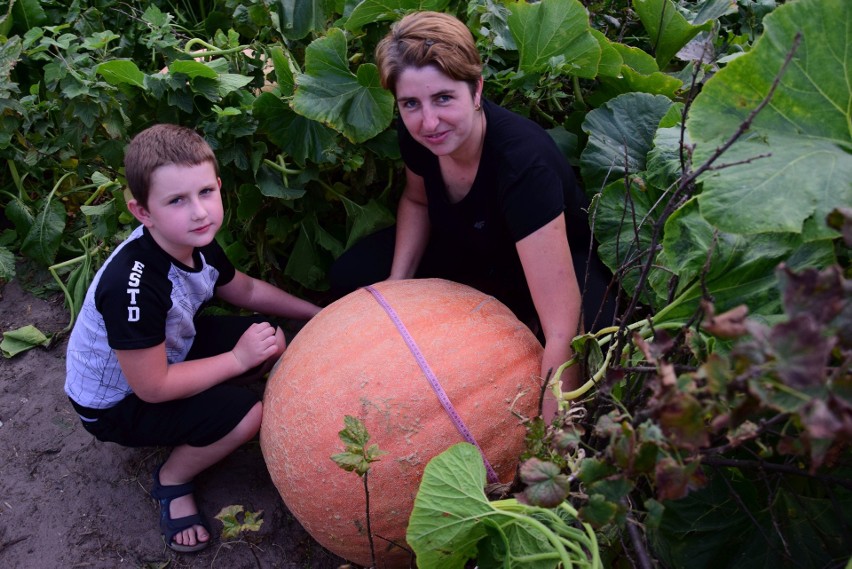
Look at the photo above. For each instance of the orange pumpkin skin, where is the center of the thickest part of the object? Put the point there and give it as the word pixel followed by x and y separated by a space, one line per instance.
pixel 351 360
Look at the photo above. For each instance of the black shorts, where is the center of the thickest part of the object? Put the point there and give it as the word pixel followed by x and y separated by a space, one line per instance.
pixel 197 421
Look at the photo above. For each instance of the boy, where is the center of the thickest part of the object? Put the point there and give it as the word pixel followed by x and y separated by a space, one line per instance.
pixel 142 369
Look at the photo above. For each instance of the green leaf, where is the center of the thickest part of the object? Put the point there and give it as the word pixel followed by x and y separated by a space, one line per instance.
pixel 272 185
pixel 192 69
pixel 611 61
pixel 741 269
pixel 298 18
pixel 99 40
pixel 668 29
pixel 445 524
pixel 546 485
pixel 598 511
pixel 372 11
pixel 22 339
pixel 42 240
pixel 301 138
pixel 232 526
pixel 624 225
pixel 664 160
pixel 305 264
pixel 7 264
pixel 119 71
pixel 230 82
pixel 27 14
pixel 557 28
pixel 366 219
pixel 10 53
pixel 804 134
pixel 354 105
pixel 284 70
pixel 592 469
pixel 621 133
pixel 354 433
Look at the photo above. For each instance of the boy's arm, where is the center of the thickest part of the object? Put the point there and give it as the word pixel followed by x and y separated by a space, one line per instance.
pixel 257 295
pixel 154 380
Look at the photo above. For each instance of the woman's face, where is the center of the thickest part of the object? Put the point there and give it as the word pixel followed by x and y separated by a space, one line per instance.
pixel 439 111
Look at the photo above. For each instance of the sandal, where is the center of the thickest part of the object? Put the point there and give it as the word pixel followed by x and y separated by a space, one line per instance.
pixel 171 527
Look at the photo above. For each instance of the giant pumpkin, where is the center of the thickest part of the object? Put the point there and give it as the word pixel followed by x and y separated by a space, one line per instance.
pixel 352 359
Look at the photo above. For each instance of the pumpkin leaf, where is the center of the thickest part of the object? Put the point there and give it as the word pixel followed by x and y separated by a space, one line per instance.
pixel 372 11
pixel 298 18
pixel 355 105
pixel 624 224
pixel 621 133
pixel 301 138
pixel 366 219
pixel 795 162
pixel 442 531
pixel 741 269
pixel 555 29
pixel 667 29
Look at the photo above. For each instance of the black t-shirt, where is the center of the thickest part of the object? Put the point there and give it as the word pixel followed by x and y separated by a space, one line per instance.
pixel 523 182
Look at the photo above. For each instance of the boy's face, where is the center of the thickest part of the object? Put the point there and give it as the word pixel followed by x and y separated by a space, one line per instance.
pixel 184 208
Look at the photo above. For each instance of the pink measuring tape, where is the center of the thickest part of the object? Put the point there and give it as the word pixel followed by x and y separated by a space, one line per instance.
pixel 433 380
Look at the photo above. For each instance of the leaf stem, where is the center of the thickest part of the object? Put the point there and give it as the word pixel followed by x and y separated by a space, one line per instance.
pixel 543 529
pixel 210 49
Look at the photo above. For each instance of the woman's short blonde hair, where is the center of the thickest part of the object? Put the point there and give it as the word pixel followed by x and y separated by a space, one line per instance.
pixel 428 38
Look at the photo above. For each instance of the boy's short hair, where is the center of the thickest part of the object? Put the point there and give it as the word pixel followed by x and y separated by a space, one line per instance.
pixel 428 38
pixel 162 145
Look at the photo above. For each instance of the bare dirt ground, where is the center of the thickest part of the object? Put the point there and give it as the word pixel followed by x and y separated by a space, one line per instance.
pixel 68 500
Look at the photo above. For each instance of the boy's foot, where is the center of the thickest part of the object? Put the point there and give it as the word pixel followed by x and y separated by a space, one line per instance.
pixel 186 533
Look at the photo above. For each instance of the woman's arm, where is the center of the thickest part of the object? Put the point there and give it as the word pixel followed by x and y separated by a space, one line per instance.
pixel 549 270
pixel 260 296
pixel 412 228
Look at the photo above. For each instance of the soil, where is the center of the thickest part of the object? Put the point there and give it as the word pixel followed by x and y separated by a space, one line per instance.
pixel 68 500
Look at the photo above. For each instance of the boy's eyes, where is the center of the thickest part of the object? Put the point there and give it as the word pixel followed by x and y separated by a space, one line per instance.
pixel 180 199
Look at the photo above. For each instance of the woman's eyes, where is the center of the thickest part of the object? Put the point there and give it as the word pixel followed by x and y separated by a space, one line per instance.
pixel 411 104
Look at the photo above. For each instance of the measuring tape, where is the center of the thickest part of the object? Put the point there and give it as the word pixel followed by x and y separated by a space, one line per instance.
pixel 433 380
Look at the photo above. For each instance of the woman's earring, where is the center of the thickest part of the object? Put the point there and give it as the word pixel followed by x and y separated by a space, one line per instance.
pixel 477 107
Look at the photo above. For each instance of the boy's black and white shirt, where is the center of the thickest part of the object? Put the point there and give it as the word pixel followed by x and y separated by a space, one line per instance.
pixel 140 298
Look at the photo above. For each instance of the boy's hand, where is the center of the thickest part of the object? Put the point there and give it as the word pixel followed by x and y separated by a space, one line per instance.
pixel 256 345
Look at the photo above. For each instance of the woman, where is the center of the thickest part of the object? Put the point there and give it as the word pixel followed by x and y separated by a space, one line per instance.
pixel 489 199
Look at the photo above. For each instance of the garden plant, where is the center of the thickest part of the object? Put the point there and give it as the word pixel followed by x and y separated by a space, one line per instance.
pixel 714 139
